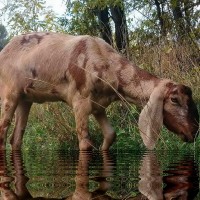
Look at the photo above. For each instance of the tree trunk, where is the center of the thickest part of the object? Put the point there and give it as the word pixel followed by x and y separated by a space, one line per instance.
pixel 121 30
pixel 160 18
pixel 104 24
pixel 178 19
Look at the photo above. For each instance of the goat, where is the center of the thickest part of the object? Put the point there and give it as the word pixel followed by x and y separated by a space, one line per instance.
pixel 87 74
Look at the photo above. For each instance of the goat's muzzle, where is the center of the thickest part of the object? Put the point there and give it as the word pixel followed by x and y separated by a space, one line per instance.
pixel 187 139
pixel 188 136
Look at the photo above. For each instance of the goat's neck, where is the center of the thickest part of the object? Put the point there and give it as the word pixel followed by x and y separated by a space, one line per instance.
pixel 135 84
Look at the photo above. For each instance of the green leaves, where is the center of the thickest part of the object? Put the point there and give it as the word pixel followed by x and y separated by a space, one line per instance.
pixel 26 16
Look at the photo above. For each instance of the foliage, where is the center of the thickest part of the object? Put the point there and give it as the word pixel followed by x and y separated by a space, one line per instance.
pixel 173 19
pixel 169 16
pixel 76 19
pixel 26 16
pixel 81 16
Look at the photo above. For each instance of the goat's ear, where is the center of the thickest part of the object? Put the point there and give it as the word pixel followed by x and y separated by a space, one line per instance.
pixel 151 117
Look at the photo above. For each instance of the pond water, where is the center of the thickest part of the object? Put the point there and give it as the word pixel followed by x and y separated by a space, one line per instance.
pixel 96 175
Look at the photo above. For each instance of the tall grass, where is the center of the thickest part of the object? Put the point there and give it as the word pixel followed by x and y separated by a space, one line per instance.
pixel 53 125
pixel 180 63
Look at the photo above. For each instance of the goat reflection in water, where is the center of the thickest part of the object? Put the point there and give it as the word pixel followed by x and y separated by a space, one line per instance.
pixel 181 182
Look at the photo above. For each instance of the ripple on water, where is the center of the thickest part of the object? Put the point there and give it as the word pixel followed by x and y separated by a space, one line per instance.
pixel 88 175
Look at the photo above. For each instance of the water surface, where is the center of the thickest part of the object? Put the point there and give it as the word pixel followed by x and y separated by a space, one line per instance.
pixel 96 175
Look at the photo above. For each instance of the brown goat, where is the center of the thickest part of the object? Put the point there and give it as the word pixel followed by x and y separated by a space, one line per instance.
pixel 87 74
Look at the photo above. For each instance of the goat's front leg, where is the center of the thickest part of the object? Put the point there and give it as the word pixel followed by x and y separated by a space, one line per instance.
pixel 82 109
pixel 9 104
pixel 108 132
pixel 21 117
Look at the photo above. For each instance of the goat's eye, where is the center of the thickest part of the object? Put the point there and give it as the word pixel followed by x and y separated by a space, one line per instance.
pixel 174 100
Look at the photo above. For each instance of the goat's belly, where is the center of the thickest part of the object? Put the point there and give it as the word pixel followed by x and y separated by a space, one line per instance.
pixel 32 95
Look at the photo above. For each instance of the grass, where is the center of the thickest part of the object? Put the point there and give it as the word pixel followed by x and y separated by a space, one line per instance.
pixel 170 60
pixel 44 130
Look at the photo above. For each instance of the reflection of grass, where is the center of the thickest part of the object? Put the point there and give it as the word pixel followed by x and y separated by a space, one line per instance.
pixel 52 174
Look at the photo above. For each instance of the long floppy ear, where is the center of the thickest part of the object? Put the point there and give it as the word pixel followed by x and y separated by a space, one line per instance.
pixel 151 117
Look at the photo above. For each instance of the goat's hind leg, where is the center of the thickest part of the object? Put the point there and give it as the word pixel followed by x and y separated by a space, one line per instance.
pixel 108 132
pixel 21 118
pixel 8 106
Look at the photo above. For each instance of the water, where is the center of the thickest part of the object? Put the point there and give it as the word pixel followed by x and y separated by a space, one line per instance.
pixel 99 176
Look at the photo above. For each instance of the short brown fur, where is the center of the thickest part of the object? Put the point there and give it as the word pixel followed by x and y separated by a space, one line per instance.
pixel 78 72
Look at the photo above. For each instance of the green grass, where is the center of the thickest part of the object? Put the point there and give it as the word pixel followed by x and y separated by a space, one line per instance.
pixel 45 132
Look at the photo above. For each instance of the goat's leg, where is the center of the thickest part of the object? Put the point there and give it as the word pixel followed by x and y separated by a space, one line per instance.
pixel 9 104
pixel 108 132
pixel 21 117
pixel 82 110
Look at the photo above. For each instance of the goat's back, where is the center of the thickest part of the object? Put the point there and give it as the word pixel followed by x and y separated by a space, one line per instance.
pixel 58 59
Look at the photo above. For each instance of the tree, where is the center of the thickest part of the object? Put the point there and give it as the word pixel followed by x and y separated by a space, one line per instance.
pixel 104 24
pixel 94 18
pixel 175 19
pixel 3 36
pixel 121 30
pixel 80 18
pixel 26 16
pixel 160 16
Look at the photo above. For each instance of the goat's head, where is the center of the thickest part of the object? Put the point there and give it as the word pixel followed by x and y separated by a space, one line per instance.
pixel 180 112
pixel 172 104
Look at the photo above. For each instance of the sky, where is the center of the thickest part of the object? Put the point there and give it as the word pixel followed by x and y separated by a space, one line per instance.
pixel 57 5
